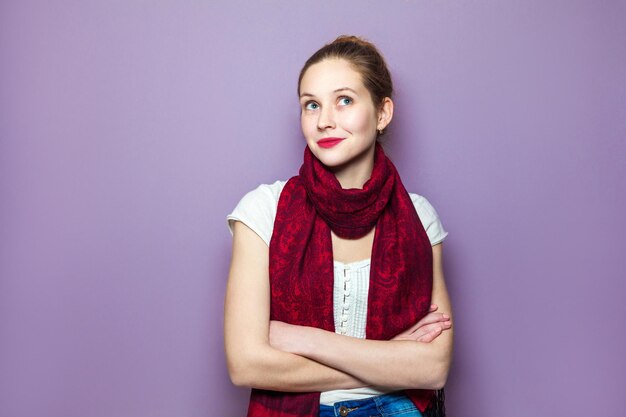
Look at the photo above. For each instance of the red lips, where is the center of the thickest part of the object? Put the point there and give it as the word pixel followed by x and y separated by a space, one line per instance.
pixel 329 142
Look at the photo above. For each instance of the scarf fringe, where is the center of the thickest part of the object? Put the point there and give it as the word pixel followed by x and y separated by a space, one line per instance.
pixel 437 407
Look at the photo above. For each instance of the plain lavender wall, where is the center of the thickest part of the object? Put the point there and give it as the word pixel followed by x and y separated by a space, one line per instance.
pixel 128 130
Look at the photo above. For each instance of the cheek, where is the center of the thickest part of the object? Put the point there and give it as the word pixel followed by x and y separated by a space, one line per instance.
pixel 360 122
pixel 309 128
pixel 305 125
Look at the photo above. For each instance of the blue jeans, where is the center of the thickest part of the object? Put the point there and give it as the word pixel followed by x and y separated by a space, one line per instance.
pixel 392 405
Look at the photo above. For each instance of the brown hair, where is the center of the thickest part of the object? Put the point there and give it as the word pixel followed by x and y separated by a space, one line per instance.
pixel 364 58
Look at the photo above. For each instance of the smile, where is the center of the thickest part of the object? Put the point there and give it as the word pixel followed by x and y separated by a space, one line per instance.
pixel 329 142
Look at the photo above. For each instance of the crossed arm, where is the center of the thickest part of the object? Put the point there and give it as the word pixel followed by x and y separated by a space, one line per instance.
pixel 283 357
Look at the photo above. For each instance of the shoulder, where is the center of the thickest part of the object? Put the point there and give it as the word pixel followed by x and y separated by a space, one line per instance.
pixel 264 193
pixel 257 209
pixel 429 218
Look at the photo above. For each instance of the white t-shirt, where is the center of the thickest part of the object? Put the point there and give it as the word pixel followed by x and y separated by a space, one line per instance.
pixel 257 210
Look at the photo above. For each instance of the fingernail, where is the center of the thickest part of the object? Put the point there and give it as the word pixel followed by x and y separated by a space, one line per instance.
pixel 445 316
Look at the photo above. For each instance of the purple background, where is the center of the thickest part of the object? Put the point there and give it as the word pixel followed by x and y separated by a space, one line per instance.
pixel 128 130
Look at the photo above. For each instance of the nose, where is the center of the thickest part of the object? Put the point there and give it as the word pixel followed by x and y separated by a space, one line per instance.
pixel 326 119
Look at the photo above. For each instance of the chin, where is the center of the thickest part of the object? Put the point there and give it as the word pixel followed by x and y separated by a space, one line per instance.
pixel 339 158
pixel 331 161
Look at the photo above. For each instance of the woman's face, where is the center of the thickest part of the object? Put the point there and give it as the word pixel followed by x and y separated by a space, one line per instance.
pixel 338 118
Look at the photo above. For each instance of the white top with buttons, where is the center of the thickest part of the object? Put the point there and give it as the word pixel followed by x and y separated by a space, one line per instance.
pixel 350 291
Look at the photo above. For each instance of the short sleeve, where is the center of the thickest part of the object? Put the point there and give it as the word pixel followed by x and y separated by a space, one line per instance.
pixel 257 210
pixel 430 220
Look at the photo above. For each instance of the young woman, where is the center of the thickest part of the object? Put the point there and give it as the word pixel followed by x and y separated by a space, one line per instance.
pixel 336 303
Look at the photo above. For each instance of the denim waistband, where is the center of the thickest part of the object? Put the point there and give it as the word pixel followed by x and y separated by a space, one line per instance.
pixel 391 404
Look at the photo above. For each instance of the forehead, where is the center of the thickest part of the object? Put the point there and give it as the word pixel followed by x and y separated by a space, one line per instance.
pixel 330 74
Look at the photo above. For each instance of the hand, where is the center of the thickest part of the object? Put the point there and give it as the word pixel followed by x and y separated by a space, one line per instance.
pixel 428 328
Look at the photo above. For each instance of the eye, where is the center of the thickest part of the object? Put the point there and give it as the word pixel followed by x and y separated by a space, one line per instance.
pixel 311 105
pixel 345 100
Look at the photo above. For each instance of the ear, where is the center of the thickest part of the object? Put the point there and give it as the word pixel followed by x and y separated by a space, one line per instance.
pixel 385 114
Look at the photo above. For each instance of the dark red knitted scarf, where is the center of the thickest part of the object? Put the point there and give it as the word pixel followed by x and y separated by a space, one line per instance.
pixel 301 263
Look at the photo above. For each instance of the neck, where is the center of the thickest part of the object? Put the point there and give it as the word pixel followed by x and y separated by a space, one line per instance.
pixel 356 173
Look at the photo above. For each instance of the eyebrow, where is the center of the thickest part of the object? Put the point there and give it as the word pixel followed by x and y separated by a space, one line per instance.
pixel 336 91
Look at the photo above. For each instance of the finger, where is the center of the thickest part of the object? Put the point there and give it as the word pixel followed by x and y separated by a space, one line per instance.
pixel 432 327
pixel 428 319
pixel 432 318
pixel 425 330
pixel 430 336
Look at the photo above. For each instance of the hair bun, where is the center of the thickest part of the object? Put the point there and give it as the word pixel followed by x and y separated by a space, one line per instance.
pixel 351 39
